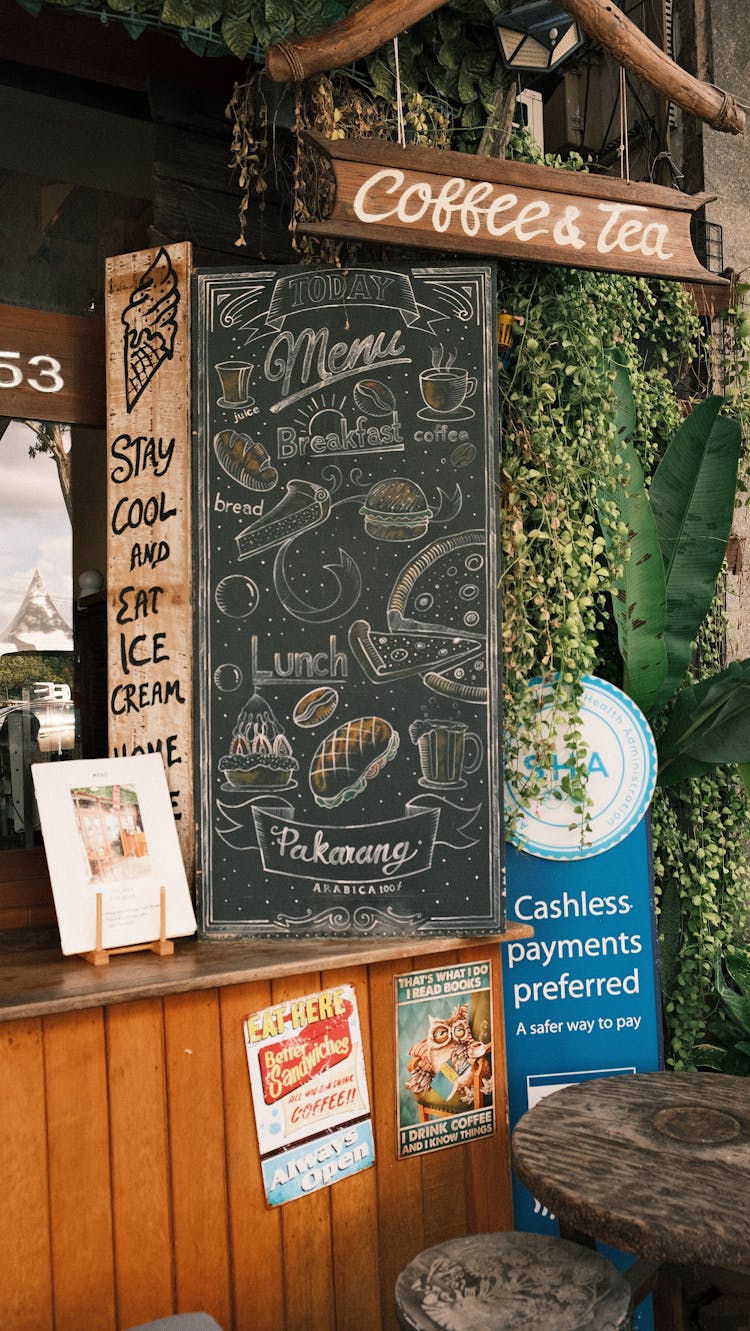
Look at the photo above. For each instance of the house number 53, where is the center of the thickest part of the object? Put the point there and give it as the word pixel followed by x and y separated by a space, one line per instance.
pixel 46 376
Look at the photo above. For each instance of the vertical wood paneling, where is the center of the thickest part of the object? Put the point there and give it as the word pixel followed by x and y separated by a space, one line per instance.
pixel 145 1177
pixel 400 1223
pixel 354 1205
pixel 306 1228
pixel 25 1261
pixel 196 1130
pixel 488 1185
pixel 140 1162
pixel 79 1171
pixel 443 1197
pixel 255 1228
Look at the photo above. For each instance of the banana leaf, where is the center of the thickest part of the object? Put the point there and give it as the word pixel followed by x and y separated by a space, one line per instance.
pixel 709 726
pixel 692 498
pixel 639 596
pixel 737 966
pixel 709 1056
pixel 737 1004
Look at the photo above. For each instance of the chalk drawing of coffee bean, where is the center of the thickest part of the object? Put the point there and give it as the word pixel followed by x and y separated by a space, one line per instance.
pixel 463 455
pixel 374 398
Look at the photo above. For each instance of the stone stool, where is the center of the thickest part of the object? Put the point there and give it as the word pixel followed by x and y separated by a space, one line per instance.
pixel 503 1282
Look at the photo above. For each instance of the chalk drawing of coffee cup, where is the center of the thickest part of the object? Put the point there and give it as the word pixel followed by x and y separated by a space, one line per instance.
pixel 444 392
pixel 448 751
pixel 236 378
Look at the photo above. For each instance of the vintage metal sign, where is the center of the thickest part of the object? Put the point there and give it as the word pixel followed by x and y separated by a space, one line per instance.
pixel 444 1057
pixel 309 1086
pixel 458 203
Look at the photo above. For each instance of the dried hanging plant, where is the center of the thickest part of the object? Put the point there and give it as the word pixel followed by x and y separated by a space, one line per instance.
pixel 338 107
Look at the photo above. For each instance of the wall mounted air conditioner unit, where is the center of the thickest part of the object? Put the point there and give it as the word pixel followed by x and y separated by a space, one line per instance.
pixel 573 115
pixel 530 112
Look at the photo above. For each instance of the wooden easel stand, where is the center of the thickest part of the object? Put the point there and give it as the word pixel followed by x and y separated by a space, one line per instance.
pixel 163 946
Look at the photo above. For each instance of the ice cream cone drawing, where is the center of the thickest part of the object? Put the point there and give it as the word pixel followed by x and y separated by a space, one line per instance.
pixel 150 325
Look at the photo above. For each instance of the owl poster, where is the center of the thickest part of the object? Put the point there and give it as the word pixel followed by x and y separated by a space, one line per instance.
pixel 444 1056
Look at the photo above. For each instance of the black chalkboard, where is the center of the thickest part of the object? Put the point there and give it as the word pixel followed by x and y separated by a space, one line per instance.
pixel 348 723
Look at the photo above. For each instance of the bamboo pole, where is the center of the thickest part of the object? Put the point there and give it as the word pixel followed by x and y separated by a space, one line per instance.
pixel 381 20
pixel 353 37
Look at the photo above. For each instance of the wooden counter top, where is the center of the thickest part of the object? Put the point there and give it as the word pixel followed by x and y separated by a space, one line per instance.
pixel 36 979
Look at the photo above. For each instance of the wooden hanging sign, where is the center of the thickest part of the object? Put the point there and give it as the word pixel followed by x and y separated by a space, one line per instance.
pixel 454 202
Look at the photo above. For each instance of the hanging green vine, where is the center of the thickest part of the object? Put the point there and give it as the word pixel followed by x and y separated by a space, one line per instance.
pixel 564 548
pixel 558 454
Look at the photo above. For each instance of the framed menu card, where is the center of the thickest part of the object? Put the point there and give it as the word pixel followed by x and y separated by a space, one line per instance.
pixel 348 722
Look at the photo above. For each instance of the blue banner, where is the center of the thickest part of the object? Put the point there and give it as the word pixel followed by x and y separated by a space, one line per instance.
pixel 581 997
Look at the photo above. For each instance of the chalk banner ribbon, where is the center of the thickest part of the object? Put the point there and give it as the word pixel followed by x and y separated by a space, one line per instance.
pixel 296 294
pixel 364 853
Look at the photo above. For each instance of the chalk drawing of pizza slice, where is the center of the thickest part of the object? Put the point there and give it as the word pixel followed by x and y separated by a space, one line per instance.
pixel 383 656
pixel 443 592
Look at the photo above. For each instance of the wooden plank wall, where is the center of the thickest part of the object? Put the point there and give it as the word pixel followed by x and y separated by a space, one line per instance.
pixel 25 890
pixel 195 191
pixel 131 1178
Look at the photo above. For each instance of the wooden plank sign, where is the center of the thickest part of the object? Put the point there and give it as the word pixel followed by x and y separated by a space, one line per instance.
pixel 51 367
pixel 346 635
pixel 454 202
pixel 149 570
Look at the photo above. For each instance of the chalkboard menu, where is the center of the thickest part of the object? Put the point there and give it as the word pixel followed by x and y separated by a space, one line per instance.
pixel 348 730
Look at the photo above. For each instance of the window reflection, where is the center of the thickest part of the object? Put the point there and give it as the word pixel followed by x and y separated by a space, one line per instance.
pixel 38 721
pixel 36 538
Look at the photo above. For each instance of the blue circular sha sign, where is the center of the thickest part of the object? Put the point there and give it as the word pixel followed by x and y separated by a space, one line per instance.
pixel 621 763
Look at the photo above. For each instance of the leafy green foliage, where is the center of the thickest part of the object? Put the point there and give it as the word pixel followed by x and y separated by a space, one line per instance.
pixel 639 593
pixel 727 1044
pixel 19 671
pixel 709 725
pixel 692 496
pixel 677 537
pixel 563 555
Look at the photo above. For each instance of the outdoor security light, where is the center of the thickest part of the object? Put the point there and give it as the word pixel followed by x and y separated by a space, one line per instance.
pixel 537 36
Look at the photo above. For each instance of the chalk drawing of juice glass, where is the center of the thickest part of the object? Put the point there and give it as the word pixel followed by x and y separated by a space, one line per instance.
pixel 448 751
pixel 235 378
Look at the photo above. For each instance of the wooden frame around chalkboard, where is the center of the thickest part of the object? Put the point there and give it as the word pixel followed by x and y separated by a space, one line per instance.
pixel 348 727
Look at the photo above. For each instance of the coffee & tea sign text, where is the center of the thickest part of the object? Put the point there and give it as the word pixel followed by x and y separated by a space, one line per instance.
pixel 455 202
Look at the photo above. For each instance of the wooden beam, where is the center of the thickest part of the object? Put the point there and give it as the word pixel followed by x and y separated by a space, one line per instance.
pixel 381 20
pixel 353 37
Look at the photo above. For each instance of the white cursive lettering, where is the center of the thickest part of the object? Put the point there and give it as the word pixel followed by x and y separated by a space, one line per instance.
pixel 478 207
pixel 629 234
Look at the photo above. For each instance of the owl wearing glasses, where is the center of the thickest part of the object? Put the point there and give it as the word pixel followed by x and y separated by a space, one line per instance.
pixel 445 1054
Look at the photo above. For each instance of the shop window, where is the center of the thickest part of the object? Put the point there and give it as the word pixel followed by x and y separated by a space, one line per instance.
pixel 52 634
